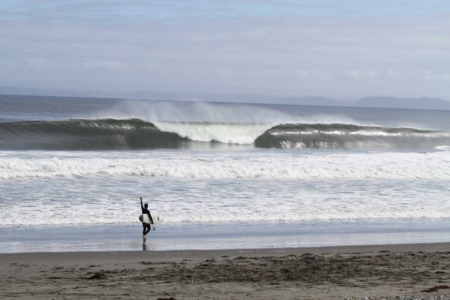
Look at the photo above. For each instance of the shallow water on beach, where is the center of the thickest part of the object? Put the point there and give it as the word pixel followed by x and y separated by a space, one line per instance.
pixel 223 236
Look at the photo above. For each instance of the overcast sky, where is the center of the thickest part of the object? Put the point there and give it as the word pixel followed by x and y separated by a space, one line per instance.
pixel 346 48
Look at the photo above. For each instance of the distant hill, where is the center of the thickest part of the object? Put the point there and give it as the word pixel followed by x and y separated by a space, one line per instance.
pixel 411 103
pixel 318 101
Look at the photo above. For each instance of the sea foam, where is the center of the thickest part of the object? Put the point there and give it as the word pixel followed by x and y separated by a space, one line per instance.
pixel 286 165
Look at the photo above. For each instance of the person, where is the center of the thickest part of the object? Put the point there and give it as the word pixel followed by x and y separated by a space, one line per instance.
pixel 147 227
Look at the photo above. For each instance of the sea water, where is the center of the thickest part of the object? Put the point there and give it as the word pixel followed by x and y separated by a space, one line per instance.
pixel 218 175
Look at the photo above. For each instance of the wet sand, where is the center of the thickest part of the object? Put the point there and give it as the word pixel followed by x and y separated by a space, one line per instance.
pixel 300 273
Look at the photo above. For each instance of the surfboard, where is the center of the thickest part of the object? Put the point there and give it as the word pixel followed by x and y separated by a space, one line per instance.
pixel 145 219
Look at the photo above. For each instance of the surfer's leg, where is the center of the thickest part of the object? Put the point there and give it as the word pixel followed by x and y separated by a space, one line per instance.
pixel 143 232
pixel 146 229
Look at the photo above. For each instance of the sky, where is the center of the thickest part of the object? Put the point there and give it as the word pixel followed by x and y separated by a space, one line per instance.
pixel 341 49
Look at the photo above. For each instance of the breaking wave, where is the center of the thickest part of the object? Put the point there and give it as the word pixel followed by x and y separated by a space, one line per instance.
pixel 349 137
pixel 79 134
pixel 116 134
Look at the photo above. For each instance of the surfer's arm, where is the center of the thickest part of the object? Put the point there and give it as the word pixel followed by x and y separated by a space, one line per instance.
pixel 151 219
pixel 142 206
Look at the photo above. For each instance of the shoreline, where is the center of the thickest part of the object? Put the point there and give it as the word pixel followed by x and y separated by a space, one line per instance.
pixel 406 247
pixel 278 273
pixel 169 237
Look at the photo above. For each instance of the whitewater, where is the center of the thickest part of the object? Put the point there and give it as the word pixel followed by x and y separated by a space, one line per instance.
pixel 226 165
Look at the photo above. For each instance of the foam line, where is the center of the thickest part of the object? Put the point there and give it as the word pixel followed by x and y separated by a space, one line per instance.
pixel 434 165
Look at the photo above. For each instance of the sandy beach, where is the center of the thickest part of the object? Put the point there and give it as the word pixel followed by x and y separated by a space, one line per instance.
pixel 298 273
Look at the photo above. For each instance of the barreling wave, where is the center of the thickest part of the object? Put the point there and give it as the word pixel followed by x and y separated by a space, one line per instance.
pixel 115 134
pixel 349 137
pixel 80 134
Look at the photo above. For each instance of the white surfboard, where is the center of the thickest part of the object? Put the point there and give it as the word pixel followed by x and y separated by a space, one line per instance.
pixel 145 219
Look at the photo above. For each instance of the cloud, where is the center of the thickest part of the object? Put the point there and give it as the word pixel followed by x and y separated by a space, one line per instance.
pixel 396 75
pixel 129 11
pixel 38 62
pixel 108 65
pixel 285 54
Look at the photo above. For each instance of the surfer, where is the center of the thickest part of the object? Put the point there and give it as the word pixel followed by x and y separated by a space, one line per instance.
pixel 147 227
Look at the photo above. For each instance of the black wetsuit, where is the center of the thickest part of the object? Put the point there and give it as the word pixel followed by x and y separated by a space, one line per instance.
pixel 146 226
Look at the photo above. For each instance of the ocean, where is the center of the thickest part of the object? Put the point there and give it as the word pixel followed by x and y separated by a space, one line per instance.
pixel 218 175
